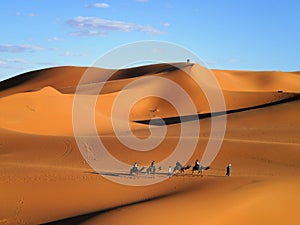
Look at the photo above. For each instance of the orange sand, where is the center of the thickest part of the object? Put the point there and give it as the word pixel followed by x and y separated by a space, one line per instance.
pixel 44 178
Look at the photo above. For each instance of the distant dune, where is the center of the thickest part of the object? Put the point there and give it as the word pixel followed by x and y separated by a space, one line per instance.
pixel 44 178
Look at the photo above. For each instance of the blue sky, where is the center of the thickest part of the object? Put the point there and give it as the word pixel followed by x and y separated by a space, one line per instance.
pixel 226 34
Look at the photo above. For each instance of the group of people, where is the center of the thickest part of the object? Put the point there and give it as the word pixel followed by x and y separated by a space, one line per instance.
pixel 178 167
pixel 150 170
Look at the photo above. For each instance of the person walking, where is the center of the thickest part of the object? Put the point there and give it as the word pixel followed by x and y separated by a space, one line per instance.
pixel 170 171
pixel 197 164
pixel 228 170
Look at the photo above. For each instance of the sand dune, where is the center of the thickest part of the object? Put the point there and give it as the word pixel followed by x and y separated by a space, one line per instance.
pixel 38 111
pixel 66 78
pixel 44 178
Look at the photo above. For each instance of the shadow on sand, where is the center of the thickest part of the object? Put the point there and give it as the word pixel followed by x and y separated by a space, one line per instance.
pixel 82 218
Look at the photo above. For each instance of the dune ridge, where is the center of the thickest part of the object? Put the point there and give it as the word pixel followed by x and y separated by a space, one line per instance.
pixel 57 77
pixel 29 110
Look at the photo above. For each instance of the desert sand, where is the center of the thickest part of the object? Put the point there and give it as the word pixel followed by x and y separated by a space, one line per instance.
pixel 45 179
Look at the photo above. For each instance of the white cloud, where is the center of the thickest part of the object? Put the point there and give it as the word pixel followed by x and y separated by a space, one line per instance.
pixel 91 26
pixel 55 39
pixel 87 33
pixel 71 54
pixel 19 61
pixel 2 62
pixel 26 14
pixel 20 48
pixel 165 24
pixel 16 60
pixel 14 63
pixel 31 14
pixel 98 5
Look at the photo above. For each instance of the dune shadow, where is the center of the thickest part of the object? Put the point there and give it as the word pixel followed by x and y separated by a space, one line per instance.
pixel 148 69
pixel 187 118
pixel 85 217
pixel 126 174
pixel 143 174
pixel 114 174
pixel 106 173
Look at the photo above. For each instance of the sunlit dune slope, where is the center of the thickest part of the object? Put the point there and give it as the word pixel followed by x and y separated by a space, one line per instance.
pixel 40 99
pixel 44 178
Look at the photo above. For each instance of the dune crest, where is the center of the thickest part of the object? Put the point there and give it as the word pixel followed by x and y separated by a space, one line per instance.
pixel 32 108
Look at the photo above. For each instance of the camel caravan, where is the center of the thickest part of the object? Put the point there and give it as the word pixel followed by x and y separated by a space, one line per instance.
pixel 197 169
